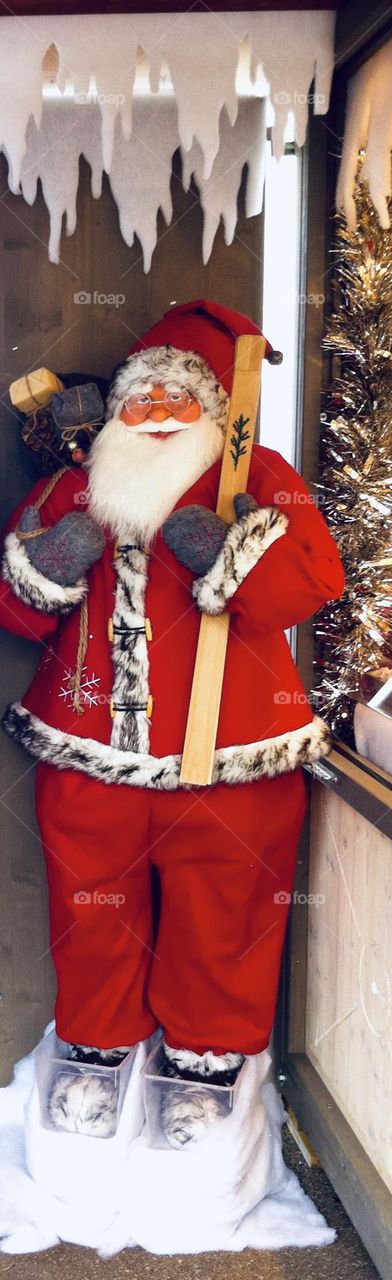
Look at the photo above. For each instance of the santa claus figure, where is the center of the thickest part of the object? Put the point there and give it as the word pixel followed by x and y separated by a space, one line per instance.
pixel 110 566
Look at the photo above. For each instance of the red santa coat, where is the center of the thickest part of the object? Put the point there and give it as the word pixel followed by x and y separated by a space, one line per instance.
pixel 278 566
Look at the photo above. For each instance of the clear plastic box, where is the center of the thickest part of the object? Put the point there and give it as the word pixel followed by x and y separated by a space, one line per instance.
pixel 162 1091
pixel 95 1108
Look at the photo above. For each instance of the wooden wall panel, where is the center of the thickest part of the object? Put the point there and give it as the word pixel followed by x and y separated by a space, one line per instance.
pixel 349 995
pixel 39 318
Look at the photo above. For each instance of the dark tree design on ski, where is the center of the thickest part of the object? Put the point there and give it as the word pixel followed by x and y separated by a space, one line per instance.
pixel 238 439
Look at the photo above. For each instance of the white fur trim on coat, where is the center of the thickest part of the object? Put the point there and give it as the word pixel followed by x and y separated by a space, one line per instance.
pixel 32 586
pixel 247 763
pixel 169 367
pixel 206 1064
pixel 131 731
pixel 245 543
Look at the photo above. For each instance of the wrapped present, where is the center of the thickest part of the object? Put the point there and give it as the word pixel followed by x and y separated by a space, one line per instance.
pixel 34 390
pixel 65 440
pixel 77 414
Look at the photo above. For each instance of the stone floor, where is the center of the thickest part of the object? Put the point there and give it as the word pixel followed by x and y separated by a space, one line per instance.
pixel 346 1259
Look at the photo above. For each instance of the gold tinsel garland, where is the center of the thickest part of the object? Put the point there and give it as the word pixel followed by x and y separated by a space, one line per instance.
pixel 354 634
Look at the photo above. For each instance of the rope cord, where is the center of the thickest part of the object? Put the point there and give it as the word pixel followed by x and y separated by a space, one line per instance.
pixel 76 680
pixel 46 492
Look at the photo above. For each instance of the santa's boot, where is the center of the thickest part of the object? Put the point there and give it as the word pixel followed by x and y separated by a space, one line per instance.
pixel 86 1102
pixel 187 1115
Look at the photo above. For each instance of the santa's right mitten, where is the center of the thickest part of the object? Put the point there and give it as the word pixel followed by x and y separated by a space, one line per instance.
pixel 65 552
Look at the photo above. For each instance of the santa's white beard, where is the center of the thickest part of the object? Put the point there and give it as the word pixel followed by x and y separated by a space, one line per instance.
pixel 136 479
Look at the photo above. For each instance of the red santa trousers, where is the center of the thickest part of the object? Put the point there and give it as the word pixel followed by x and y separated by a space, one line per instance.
pixel 226 860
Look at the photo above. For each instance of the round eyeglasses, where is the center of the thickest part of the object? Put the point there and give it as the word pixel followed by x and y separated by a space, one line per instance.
pixel 140 405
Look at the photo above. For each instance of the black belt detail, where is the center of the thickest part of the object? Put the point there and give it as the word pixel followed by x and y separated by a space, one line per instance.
pixel 130 706
pixel 129 546
pixel 124 631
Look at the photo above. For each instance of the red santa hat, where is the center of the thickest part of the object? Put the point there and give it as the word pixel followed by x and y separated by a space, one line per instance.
pixel 192 347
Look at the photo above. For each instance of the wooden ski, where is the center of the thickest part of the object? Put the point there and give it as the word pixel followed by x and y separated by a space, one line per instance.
pixel 203 715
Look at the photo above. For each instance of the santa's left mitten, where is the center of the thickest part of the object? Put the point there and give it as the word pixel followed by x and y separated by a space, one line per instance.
pixel 195 535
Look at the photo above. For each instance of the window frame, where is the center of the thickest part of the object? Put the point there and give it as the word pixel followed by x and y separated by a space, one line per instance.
pixel 362 785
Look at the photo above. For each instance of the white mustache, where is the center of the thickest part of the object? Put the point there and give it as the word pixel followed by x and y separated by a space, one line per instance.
pixel 148 427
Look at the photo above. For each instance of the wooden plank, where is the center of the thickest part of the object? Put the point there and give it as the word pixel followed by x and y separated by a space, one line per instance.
pixel 302 1141
pixel 362 1192
pixel 249 353
pixel 204 706
pixel 200 736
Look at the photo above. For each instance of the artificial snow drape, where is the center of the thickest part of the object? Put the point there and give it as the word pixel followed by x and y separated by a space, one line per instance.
pixel 368 127
pixel 141 168
pixel 132 88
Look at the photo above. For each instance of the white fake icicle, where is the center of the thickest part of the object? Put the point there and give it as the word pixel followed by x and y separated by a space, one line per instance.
pixel 292 49
pixel 53 152
pixel 20 93
pixel 368 125
pixel 141 172
pixel 141 169
pixel 202 56
pixel 104 48
pixel 244 143
pixel 199 55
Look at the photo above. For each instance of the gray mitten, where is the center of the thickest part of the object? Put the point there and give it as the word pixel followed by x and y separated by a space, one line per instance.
pixel 65 552
pixel 196 535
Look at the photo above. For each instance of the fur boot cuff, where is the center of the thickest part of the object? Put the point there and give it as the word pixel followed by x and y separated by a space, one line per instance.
pixel 203 1066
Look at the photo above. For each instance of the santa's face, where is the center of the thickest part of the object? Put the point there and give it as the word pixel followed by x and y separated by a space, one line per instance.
pixel 148 456
pixel 160 411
